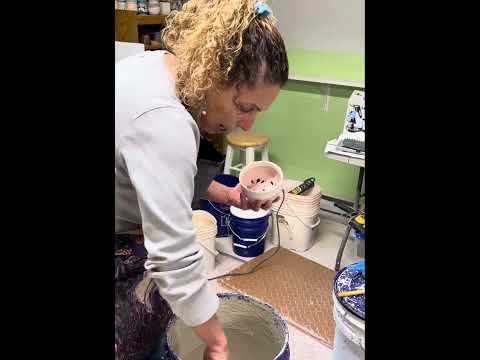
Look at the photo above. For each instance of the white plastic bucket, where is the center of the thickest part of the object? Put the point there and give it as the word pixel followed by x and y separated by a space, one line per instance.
pixel 289 209
pixel 207 235
pixel 206 228
pixel 349 343
pixel 308 200
pixel 298 217
pixel 203 220
pixel 296 233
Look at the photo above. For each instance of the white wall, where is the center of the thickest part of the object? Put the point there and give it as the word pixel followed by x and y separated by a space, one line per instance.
pixel 327 25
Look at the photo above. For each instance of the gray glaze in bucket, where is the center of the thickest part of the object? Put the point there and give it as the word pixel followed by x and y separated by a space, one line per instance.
pixel 255 331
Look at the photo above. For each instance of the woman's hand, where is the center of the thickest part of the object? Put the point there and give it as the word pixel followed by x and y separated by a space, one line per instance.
pixel 212 334
pixel 238 199
pixel 234 196
pixel 215 354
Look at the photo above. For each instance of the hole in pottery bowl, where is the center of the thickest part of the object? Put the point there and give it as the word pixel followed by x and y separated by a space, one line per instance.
pixel 261 180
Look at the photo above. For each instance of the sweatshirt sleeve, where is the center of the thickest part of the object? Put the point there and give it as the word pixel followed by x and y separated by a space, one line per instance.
pixel 160 151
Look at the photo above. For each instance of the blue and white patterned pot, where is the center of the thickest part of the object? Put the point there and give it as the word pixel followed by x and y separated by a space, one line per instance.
pixel 232 303
pixel 347 279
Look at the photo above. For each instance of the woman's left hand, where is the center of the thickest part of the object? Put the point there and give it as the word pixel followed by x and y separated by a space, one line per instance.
pixel 238 199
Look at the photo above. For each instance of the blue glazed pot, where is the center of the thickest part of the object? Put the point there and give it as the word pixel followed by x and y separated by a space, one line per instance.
pixel 275 320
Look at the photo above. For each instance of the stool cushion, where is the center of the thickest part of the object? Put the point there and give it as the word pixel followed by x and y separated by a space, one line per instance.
pixel 247 139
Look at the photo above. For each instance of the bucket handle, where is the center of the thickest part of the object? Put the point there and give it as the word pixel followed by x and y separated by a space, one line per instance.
pixel 282 220
pixel 220 211
pixel 224 215
pixel 255 241
pixel 299 218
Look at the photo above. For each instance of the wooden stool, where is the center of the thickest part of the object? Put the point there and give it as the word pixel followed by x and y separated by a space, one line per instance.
pixel 248 143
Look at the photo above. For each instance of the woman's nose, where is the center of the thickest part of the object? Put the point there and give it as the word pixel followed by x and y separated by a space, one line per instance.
pixel 247 121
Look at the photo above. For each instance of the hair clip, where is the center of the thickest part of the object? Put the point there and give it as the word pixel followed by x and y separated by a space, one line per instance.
pixel 262 9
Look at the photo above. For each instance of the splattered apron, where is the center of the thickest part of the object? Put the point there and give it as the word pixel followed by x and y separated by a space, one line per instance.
pixel 141 314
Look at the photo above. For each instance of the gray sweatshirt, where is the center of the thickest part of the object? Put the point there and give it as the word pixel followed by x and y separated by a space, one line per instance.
pixel 156 147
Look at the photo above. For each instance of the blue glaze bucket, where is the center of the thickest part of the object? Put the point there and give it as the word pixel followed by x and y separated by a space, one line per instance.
pixel 349 316
pixel 263 332
pixel 219 210
pixel 248 229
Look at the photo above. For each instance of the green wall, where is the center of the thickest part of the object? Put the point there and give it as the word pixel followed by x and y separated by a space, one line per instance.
pixel 299 128
pixel 327 65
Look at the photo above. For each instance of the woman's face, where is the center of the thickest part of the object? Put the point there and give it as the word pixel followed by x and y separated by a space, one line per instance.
pixel 236 107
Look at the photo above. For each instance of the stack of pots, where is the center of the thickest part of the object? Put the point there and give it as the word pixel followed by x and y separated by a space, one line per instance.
pixel 298 217
pixel 206 229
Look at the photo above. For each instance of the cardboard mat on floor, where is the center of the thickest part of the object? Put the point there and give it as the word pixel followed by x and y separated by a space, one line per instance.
pixel 300 289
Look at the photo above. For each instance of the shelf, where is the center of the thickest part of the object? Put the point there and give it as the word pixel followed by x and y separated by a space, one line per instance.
pixel 346 160
pixel 319 80
pixel 328 69
pixel 151 19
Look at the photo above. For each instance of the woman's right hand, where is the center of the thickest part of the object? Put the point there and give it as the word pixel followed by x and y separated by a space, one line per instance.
pixel 237 198
pixel 212 353
pixel 212 334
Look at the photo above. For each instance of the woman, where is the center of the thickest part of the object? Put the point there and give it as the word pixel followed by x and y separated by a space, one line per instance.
pixel 226 61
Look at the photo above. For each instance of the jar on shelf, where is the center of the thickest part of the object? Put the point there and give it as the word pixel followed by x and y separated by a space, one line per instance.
pixel 132 5
pixel 154 7
pixel 142 7
pixel 165 7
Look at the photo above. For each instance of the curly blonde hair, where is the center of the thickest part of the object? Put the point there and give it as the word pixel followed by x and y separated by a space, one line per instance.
pixel 221 43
